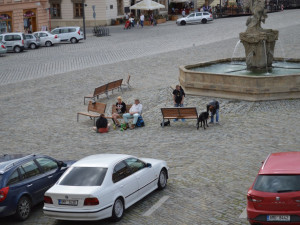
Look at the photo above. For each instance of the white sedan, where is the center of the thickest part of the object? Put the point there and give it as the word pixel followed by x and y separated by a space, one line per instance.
pixel 46 38
pixel 103 186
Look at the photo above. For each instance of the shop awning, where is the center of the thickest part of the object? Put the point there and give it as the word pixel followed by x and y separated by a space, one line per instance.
pixel 147 5
pixel 180 1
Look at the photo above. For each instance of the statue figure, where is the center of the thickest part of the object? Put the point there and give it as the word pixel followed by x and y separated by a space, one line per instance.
pixel 259 15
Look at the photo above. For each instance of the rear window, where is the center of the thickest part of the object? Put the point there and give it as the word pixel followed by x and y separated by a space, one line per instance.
pixel 277 183
pixel 84 176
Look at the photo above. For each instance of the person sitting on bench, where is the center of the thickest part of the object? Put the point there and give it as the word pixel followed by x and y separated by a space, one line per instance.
pixel 121 109
pixel 134 112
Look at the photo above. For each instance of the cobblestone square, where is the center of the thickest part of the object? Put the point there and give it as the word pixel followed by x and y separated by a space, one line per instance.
pixel 210 170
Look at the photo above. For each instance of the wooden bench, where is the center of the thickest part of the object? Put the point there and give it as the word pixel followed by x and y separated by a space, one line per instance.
pixel 115 85
pixel 179 113
pixel 104 89
pixel 93 111
pixel 114 110
pixel 98 91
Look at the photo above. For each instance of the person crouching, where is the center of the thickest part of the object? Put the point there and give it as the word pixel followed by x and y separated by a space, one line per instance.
pixel 102 126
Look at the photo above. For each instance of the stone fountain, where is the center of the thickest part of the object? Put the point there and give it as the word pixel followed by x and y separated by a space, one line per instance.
pixel 255 77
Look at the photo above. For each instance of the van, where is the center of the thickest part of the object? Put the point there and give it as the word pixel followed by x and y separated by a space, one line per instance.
pixel 72 34
pixel 14 42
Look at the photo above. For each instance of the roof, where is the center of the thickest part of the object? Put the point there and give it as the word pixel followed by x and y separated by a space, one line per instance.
pixel 8 160
pixel 100 160
pixel 282 163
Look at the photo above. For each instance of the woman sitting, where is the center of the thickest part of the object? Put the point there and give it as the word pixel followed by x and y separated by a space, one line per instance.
pixel 102 126
pixel 120 110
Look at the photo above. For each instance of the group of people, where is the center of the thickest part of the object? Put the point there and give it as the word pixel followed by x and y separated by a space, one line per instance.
pixel 212 107
pixel 141 21
pixel 102 125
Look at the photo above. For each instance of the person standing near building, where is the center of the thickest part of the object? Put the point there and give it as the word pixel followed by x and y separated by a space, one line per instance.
pixel 178 97
pixel 142 18
pixel 183 13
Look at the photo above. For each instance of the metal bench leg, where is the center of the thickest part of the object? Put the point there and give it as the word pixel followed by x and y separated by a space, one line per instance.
pixel 84 100
pixel 107 94
pixel 121 89
pixel 163 123
pixel 94 121
pixel 77 117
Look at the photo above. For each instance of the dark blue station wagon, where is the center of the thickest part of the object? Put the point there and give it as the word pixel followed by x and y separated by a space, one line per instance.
pixel 23 181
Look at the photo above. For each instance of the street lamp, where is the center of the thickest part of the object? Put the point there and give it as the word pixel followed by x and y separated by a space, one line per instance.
pixel 83 17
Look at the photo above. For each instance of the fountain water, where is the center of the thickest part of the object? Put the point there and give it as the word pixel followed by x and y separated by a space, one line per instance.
pixel 256 78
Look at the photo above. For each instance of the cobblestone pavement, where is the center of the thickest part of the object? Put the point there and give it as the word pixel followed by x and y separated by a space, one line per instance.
pixel 210 171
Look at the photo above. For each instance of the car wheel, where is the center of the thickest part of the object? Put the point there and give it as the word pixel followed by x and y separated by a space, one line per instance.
pixel 162 179
pixel 32 46
pixel 73 40
pixel 23 208
pixel 48 43
pixel 183 22
pixel 204 21
pixel 17 49
pixel 118 210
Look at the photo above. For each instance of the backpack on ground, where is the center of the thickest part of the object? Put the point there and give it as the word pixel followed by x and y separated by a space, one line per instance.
pixel 140 122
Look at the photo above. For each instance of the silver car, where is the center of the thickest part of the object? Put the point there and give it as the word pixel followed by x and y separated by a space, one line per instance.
pixel 196 17
pixel 47 39
pixel 32 41
pixel 2 48
pixel 14 42
pixel 69 34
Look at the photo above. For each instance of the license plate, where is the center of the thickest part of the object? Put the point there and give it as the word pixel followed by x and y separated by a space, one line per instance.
pixel 67 202
pixel 278 218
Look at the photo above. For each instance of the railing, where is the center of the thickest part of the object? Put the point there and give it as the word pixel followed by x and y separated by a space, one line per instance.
pixel 3 2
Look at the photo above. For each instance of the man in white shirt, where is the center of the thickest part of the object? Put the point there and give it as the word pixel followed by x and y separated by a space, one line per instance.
pixel 142 18
pixel 134 112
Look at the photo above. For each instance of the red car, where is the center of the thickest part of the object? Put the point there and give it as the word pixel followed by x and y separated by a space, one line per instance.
pixel 274 197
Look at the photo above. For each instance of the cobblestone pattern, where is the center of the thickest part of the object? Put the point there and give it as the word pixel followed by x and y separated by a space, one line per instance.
pixel 210 171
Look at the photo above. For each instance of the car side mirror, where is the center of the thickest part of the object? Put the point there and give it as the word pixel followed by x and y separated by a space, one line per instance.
pixel 149 165
pixel 61 164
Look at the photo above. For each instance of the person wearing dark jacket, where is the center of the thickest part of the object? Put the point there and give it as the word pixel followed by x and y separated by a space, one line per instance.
pixel 102 126
pixel 213 107
pixel 120 110
pixel 178 98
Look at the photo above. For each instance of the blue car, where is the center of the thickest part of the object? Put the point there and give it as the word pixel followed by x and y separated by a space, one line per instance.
pixel 23 181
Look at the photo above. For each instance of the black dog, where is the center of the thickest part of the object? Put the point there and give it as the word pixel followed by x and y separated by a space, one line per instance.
pixel 167 123
pixel 203 117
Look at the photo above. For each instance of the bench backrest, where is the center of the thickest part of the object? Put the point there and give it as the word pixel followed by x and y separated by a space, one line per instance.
pixel 180 113
pixel 100 90
pixel 114 84
pixel 96 107
pixel 113 108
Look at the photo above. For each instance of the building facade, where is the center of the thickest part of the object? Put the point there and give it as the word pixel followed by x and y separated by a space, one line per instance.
pixel 23 15
pixel 34 15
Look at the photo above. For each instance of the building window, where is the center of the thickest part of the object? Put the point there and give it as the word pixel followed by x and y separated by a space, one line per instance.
pixel 55 12
pixel 120 7
pixel 78 10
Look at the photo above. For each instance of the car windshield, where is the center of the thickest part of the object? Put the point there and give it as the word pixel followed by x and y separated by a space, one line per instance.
pixel 84 176
pixel 191 15
pixel 277 183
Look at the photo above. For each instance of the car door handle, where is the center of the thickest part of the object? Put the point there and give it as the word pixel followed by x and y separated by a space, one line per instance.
pixel 50 176
pixel 122 186
pixel 29 185
pixel 138 177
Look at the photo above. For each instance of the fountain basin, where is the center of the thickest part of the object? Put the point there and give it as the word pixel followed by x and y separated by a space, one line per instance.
pixel 239 86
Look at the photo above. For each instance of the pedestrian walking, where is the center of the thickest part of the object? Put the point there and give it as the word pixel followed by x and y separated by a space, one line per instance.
pixel 142 18
pixel 183 13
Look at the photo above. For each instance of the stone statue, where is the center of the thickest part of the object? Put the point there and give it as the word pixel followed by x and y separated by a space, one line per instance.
pixel 259 15
pixel 259 43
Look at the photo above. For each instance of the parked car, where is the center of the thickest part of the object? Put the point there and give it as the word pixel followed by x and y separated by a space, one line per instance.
pixel 196 17
pixel 46 38
pixel 14 42
pixel 72 34
pixel 104 185
pixel 274 197
pixel 3 49
pixel 32 41
pixel 24 180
